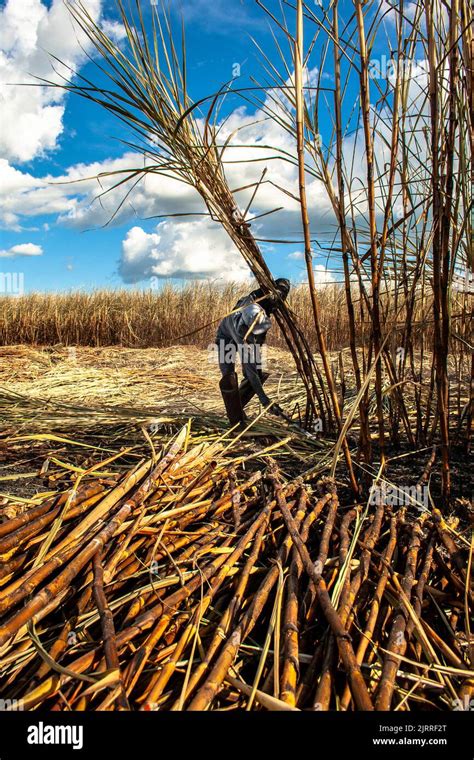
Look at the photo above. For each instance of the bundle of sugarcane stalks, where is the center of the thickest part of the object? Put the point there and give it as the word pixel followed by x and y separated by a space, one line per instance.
pixel 200 579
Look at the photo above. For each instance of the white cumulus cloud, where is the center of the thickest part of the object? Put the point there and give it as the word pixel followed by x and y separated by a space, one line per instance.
pixel 21 249
pixel 23 196
pixel 191 250
pixel 30 30
pixel 322 275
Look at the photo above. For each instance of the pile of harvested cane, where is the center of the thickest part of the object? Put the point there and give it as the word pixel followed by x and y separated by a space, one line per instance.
pixel 197 580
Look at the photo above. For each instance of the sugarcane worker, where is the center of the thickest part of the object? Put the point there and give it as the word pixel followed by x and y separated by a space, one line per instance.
pixel 243 333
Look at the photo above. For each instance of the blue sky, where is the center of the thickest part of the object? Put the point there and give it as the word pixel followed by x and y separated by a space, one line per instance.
pixel 66 231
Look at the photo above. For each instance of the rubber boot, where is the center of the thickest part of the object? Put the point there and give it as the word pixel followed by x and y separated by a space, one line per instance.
pixel 230 393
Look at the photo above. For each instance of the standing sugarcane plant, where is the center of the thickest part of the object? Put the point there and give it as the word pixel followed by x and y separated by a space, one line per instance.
pixel 300 143
pixel 395 173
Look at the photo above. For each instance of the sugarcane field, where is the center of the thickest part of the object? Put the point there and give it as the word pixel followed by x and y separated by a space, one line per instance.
pixel 236 373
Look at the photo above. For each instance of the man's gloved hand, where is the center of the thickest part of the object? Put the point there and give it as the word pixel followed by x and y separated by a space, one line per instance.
pixel 272 407
pixel 277 410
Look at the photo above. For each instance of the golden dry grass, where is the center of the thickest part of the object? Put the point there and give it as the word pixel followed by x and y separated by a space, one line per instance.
pixel 177 380
pixel 151 318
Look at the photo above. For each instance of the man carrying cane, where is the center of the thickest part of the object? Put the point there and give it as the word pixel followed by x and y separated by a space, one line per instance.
pixel 243 332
